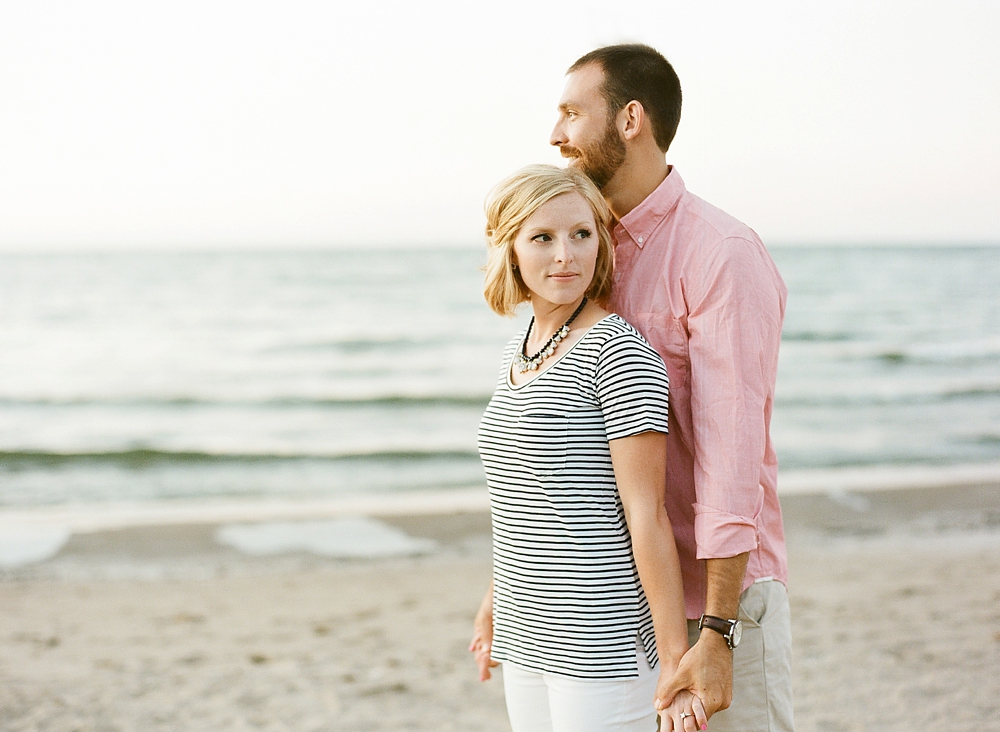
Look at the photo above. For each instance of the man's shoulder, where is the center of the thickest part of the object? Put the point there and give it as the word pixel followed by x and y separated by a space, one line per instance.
pixel 706 242
pixel 703 223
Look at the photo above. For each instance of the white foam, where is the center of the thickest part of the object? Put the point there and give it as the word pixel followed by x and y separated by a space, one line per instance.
pixel 347 538
pixel 86 518
pixel 62 520
pixel 886 477
pixel 27 544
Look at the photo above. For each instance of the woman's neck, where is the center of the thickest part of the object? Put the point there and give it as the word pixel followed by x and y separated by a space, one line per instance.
pixel 549 317
pixel 553 318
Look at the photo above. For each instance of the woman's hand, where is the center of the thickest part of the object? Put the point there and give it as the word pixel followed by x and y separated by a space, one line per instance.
pixel 482 637
pixel 684 714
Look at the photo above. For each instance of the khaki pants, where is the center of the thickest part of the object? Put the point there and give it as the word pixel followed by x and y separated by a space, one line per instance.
pixel 762 664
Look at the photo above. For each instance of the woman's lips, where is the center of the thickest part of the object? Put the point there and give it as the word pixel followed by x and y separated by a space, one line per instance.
pixel 563 275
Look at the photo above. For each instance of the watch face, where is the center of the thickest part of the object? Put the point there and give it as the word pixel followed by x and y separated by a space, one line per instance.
pixel 737 633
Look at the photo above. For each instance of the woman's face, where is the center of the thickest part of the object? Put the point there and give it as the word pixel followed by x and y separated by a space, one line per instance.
pixel 556 250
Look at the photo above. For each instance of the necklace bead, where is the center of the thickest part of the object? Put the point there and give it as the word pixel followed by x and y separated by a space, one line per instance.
pixel 524 362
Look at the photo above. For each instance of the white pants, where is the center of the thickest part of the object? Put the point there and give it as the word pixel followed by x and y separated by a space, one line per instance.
pixel 543 702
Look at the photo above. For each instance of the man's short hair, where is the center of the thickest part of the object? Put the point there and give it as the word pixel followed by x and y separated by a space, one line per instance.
pixel 633 71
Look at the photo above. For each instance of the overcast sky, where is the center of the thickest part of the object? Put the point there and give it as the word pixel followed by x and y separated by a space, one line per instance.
pixel 303 124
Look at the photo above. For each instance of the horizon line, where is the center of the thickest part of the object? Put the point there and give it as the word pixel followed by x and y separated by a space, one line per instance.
pixel 317 247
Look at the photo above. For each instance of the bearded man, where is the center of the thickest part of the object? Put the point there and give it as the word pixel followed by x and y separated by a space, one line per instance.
pixel 702 289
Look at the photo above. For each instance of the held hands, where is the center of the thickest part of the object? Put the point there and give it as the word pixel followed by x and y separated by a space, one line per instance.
pixel 482 639
pixel 684 714
pixel 706 671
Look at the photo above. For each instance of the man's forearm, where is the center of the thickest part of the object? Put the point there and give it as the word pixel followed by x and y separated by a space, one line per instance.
pixel 707 668
pixel 725 583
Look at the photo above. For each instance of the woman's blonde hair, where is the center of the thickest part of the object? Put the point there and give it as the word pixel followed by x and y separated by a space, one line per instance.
pixel 507 208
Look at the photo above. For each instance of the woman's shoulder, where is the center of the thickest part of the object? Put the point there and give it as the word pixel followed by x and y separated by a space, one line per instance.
pixel 615 328
pixel 617 338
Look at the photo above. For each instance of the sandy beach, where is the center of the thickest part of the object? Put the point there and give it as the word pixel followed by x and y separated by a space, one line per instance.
pixel 895 598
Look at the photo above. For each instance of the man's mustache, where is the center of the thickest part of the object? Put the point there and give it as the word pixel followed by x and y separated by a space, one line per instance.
pixel 568 151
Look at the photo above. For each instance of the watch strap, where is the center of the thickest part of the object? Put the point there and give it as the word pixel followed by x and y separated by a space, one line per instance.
pixel 720 625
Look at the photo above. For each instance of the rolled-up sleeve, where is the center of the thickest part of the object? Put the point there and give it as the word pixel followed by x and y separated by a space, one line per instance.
pixel 734 326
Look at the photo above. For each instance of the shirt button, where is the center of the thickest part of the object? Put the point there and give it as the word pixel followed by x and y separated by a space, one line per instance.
pixel 640 240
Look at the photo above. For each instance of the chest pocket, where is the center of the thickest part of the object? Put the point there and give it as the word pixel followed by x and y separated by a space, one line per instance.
pixel 541 442
pixel 667 335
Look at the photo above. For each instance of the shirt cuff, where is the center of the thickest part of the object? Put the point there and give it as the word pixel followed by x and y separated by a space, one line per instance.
pixel 720 535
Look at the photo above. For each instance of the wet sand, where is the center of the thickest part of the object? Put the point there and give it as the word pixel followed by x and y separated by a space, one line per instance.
pixel 895 600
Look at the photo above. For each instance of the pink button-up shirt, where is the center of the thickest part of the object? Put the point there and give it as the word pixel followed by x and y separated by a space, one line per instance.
pixel 702 289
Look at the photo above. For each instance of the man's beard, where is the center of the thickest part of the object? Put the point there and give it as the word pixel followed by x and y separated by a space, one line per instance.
pixel 601 161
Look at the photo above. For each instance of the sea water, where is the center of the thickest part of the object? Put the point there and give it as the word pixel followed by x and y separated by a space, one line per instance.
pixel 303 375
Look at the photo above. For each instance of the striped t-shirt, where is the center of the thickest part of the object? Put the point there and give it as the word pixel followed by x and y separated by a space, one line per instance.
pixel 567 597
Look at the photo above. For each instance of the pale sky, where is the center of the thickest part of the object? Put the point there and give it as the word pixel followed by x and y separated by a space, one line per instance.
pixel 206 124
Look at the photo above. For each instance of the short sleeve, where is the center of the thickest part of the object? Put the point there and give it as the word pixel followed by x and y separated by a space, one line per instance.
pixel 632 387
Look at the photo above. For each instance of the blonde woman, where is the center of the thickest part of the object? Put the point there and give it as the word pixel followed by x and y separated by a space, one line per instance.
pixel 586 608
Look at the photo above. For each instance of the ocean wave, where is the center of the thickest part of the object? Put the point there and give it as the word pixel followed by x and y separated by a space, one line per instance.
pixel 815 336
pixel 832 347
pixel 796 397
pixel 383 400
pixel 931 354
pixel 816 398
pixel 882 476
pixel 136 458
pixel 362 345
pixel 392 345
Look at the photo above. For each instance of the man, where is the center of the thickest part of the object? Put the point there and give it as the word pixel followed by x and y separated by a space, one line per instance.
pixel 702 289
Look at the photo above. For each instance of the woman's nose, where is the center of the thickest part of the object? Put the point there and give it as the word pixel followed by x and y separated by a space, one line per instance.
pixel 563 251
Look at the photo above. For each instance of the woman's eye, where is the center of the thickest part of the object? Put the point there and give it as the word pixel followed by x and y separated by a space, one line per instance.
pixel 583 234
pixel 541 237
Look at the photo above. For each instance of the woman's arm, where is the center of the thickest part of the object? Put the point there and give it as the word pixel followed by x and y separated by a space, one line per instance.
pixel 641 473
pixel 482 636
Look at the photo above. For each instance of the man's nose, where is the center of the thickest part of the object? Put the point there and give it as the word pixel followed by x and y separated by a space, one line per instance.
pixel 558 137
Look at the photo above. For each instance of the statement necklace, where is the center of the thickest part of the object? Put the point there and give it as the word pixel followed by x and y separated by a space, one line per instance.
pixel 524 362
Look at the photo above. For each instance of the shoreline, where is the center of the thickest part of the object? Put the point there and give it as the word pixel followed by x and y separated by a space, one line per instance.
pixel 87 517
pixel 895 600
pixel 213 538
pixel 34 535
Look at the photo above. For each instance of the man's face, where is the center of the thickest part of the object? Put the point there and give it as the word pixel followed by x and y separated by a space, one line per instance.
pixel 584 133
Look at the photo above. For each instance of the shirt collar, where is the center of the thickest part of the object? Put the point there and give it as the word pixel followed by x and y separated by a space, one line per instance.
pixel 642 220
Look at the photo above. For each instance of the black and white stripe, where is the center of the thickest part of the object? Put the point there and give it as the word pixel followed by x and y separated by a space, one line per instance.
pixel 567 596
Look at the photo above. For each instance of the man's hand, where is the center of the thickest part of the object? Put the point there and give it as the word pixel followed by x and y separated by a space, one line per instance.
pixel 706 670
pixel 482 637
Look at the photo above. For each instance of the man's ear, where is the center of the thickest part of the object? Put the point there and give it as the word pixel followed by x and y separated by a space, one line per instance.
pixel 632 119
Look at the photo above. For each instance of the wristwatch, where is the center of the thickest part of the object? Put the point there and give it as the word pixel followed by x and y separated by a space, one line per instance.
pixel 731 630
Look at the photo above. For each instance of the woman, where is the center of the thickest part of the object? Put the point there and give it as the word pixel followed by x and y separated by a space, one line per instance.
pixel 586 598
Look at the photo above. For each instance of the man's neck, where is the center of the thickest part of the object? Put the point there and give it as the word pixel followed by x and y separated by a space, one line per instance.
pixel 633 183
